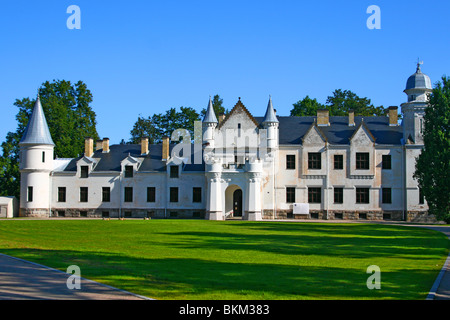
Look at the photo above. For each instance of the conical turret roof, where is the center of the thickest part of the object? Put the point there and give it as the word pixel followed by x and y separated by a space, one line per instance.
pixel 37 131
pixel 270 113
pixel 210 116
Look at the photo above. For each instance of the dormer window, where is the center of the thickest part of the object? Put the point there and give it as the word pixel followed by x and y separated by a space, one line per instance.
pixel 84 171
pixel 128 171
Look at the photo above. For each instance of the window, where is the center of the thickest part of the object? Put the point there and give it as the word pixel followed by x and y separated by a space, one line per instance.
pixel 84 171
pixel 314 195
pixel 338 195
pixel 151 194
pixel 196 194
pixel 362 161
pixel 290 162
pixel 290 195
pixel 61 194
pixel 386 162
pixel 30 194
pixel 128 214
pixel 83 194
pixel 338 162
pixel 386 195
pixel 362 195
pixel 106 194
pixel 421 197
pixel 43 156
pixel 239 130
pixel 174 172
pixel 173 194
pixel 314 161
pixel 128 194
pixel 83 214
pixel 128 171
pixel 105 214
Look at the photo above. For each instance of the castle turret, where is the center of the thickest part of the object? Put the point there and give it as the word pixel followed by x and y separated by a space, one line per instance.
pixel 209 125
pixel 418 87
pixel 36 163
pixel 271 123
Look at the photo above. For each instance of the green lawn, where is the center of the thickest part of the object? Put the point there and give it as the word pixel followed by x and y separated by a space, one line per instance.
pixel 196 259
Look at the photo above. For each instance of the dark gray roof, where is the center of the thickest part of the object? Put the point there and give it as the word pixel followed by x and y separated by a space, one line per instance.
pixel 418 80
pixel 291 131
pixel 151 162
pixel 37 131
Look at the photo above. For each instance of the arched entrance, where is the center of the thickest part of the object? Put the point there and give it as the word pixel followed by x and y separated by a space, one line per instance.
pixel 237 203
pixel 234 202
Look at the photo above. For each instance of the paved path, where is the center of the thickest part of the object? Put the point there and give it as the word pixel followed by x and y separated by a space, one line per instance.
pixel 24 280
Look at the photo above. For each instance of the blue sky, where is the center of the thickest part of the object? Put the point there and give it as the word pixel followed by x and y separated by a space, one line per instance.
pixel 143 57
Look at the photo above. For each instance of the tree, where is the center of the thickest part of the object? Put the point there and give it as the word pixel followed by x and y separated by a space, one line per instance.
pixel 433 164
pixel 163 124
pixel 70 120
pixel 306 107
pixel 339 104
pixel 342 101
pixel 218 107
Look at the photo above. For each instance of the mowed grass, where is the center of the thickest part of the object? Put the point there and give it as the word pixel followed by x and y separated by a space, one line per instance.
pixel 196 259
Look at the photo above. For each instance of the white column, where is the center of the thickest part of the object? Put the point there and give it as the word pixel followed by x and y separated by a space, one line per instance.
pixel 254 198
pixel 214 210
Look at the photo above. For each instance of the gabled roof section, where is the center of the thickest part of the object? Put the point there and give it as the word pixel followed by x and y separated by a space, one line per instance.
pixel 315 127
pixel 37 131
pixel 239 105
pixel 364 127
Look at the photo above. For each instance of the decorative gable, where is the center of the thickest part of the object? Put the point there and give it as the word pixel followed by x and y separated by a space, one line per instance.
pixel 239 113
pixel 314 136
pixel 362 136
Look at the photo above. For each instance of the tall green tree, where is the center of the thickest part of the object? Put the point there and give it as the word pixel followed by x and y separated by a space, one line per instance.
pixel 339 104
pixel 164 124
pixel 306 107
pixel 433 164
pixel 70 120
pixel 342 101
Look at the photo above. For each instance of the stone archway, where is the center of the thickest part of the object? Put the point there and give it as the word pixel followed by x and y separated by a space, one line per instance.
pixel 234 202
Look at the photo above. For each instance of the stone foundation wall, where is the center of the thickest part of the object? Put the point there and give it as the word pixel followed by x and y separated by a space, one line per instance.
pixel 336 215
pixel 34 213
pixel 130 213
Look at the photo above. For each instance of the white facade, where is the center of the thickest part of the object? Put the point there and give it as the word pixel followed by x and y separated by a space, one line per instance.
pixel 250 168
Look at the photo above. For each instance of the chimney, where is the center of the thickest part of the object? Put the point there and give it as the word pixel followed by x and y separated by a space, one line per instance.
pixel 99 145
pixel 351 118
pixel 144 146
pixel 323 117
pixel 165 148
pixel 88 147
pixel 105 145
pixel 221 117
pixel 393 116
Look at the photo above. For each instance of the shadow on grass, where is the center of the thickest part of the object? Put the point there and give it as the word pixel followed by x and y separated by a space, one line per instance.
pixel 205 279
pixel 349 241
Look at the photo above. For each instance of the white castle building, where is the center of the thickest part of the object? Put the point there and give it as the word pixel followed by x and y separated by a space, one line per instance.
pixel 244 167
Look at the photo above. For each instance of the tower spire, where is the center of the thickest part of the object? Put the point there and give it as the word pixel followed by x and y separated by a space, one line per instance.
pixel 37 131
pixel 210 116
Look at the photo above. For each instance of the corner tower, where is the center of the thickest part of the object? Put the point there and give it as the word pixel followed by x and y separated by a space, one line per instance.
pixel 418 87
pixel 36 163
